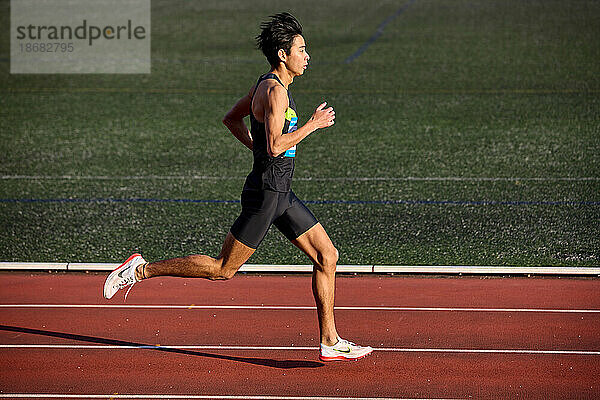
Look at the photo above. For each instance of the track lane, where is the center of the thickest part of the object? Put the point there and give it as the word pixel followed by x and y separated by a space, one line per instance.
pixel 414 329
pixel 80 288
pixel 298 373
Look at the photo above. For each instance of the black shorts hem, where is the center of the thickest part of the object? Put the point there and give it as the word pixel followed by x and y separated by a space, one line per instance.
pixel 244 242
pixel 306 230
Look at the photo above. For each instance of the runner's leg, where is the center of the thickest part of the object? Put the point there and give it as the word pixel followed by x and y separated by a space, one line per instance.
pixel 233 254
pixel 315 243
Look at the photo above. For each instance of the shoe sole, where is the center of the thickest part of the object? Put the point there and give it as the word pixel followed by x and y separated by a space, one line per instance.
pixel 342 358
pixel 116 271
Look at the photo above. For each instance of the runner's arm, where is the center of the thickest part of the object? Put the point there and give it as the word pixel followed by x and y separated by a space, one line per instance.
pixel 275 107
pixel 234 119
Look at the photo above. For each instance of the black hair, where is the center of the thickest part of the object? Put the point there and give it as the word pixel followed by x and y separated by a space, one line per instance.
pixel 278 33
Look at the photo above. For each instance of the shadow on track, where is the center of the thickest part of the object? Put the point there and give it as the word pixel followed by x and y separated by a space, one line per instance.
pixel 266 362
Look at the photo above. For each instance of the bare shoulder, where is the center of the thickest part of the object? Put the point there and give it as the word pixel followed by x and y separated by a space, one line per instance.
pixel 270 89
pixel 269 97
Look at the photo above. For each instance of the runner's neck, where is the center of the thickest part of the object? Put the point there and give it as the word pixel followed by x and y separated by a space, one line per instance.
pixel 284 75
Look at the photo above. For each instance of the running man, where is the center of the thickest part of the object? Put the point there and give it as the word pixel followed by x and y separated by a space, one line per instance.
pixel 267 197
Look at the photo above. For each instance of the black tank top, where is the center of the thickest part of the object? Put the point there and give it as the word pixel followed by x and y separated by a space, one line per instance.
pixel 268 172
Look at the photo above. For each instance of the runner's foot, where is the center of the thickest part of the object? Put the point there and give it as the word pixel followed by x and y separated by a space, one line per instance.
pixel 123 276
pixel 343 350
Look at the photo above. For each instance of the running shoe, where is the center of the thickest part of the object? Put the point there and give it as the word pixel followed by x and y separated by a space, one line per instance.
pixel 343 350
pixel 123 276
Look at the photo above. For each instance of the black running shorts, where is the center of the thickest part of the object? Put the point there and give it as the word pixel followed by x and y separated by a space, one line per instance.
pixel 261 208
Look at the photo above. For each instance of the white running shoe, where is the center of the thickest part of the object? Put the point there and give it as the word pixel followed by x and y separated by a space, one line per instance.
pixel 343 350
pixel 123 276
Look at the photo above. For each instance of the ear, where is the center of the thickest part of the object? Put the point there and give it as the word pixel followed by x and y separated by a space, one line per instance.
pixel 282 55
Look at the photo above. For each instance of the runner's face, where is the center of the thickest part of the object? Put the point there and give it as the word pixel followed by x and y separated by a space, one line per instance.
pixel 297 60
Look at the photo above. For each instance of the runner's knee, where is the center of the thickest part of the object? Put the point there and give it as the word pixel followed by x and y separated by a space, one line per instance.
pixel 222 275
pixel 223 271
pixel 327 259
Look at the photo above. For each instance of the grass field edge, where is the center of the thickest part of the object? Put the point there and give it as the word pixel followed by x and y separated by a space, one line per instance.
pixel 362 269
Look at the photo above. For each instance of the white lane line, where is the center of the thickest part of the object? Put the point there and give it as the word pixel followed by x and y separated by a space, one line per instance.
pixel 186 396
pixel 317 179
pixel 291 308
pixel 494 351
pixel 292 348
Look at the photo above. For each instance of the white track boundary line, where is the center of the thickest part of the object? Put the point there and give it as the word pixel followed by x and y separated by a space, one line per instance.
pixel 362 269
pixel 316 179
pixel 292 348
pixel 184 396
pixel 292 308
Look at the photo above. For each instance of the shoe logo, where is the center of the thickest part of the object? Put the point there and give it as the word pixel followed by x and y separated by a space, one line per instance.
pixel 347 350
pixel 120 274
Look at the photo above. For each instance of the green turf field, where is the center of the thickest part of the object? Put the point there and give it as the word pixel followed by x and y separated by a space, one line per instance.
pixel 467 133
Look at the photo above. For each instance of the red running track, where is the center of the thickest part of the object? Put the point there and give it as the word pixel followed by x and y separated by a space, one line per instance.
pixel 430 346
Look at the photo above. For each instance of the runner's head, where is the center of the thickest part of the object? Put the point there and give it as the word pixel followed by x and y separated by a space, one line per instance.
pixel 281 40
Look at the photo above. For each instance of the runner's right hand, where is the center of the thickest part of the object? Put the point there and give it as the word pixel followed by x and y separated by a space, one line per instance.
pixel 323 117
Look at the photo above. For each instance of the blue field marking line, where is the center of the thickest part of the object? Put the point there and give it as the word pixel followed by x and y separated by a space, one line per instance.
pixel 455 202
pixel 111 200
pixel 378 32
pixel 346 202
